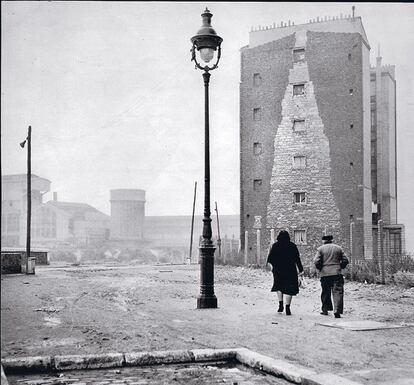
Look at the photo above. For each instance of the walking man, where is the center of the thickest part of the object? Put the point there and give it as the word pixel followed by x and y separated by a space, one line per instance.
pixel 330 260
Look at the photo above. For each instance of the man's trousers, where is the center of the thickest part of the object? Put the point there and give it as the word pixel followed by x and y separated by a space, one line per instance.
pixel 333 285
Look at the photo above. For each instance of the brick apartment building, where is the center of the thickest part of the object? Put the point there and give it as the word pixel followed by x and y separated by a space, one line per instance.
pixel 305 139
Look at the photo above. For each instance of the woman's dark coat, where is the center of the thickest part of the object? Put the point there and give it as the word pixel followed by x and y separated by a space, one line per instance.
pixel 284 257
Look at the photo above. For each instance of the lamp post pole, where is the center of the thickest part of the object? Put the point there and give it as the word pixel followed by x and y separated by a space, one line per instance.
pixel 206 42
pixel 207 298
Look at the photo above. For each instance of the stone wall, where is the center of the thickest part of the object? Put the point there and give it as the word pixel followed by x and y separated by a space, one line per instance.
pixel 11 263
pixel 15 261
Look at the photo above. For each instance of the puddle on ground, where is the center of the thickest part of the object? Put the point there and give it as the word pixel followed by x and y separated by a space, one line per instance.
pixel 52 321
pixel 61 342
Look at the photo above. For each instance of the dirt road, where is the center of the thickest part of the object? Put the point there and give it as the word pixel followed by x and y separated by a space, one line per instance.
pixel 96 309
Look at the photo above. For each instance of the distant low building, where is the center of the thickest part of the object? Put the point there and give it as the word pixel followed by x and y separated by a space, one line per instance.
pixel 14 206
pixel 176 230
pixel 58 225
pixel 53 223
pixel 70 223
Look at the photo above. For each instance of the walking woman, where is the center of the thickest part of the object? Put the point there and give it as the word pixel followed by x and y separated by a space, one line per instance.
pixel 284 258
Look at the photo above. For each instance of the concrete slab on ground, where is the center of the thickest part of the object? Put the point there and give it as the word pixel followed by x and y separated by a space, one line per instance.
pixel 362 325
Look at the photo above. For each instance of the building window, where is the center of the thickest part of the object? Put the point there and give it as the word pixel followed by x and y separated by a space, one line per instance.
pixel 299 55
pixel 395 244
pixel 299 197
pixel 257 114
pixel 300 237
pixel 351 91
pixel 299 125
pixel 257 80
pixel 257 148
pixel 299 89
pixel 257 183
pixel 299 161
pixel 351 126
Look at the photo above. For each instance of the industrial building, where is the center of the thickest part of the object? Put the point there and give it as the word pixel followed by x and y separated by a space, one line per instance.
pixel 306 142
pixel 69 223
pixel 53 223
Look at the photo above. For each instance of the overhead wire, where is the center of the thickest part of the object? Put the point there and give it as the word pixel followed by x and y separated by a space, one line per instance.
pixel 136 107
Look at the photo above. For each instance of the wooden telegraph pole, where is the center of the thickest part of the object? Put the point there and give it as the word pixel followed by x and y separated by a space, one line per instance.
pixel 192 223
pixel 218 232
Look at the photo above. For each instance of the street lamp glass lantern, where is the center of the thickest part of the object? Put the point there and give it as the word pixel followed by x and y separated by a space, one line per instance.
pixel 207 54
pixel 207 42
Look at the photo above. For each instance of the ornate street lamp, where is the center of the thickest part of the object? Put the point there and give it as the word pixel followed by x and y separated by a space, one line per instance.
pixel 206 42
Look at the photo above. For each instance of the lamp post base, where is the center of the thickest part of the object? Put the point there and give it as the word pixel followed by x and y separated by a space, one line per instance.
pixel 207 298
pixel 207 302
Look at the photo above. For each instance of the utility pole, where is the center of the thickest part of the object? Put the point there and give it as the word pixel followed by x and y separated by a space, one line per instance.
pixel 29 192
pixel 218 232
pixel 192 222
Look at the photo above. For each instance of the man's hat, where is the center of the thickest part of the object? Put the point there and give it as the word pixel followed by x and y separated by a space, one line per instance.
pixel 327 238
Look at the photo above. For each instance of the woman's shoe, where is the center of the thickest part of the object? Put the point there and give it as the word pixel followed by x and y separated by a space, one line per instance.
pixel 337 315
pixel 288 310
pixel 280 310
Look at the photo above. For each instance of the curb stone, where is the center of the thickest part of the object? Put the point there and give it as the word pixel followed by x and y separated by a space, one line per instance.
pixel 28 364
pixel 157 358
pixel 213 354
pixel 293 373
pixel 89 361
pixel 276 367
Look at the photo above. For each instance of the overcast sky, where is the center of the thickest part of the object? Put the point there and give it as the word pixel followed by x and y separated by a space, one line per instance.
pixel 114 101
